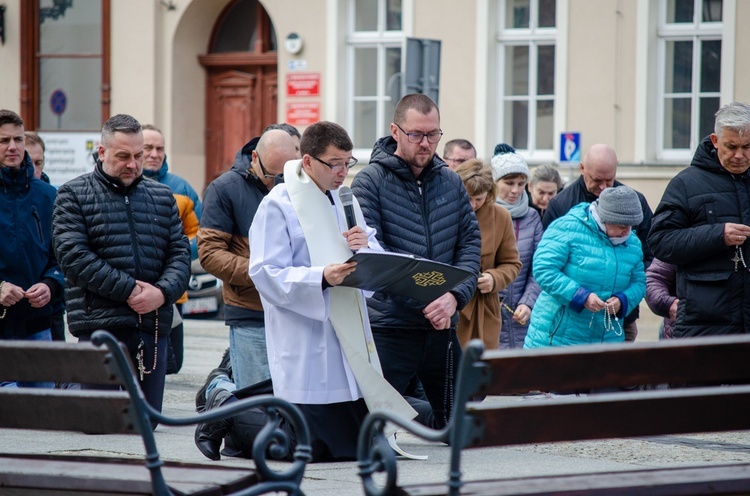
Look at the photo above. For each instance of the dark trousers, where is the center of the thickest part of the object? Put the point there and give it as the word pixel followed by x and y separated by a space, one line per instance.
pixel 176 351
pixel 430 356
pixel 57 326
pixel 154 378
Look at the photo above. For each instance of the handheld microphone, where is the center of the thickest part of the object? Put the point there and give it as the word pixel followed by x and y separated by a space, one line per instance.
pixel 345 195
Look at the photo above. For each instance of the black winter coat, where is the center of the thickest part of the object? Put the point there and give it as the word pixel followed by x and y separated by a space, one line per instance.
pixel 688 231
pixel 429 217
pixel 107 236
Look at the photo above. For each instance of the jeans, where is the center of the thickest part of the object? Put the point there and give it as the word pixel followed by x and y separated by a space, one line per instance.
pixel 44 335
pixel 428 355
pixel 247 352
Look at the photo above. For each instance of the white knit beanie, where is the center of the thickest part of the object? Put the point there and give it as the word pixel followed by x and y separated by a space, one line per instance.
pixel 506 162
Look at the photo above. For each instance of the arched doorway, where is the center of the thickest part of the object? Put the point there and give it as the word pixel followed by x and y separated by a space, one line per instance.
pixel 241 82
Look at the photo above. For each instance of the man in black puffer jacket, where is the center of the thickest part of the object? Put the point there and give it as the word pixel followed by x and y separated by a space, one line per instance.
pixel 702 225
pixel 120 244
pixel 421 207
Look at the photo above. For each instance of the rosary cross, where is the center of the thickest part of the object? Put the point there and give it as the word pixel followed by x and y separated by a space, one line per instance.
pixel 736 260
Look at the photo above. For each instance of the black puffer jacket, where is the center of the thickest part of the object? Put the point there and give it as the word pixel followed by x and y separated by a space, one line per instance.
pixel 107 236
pixel 688 231
pixel 429 217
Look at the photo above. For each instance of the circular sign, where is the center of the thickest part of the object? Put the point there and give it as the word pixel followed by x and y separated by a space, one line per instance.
pixel 58 101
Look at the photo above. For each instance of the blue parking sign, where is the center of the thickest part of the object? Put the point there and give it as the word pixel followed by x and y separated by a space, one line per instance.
pixel 570 147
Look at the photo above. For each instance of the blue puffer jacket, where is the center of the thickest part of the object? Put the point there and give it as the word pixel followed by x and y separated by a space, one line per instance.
pixel 524 289
pixel 574 259
pixel 429 217
pixel 26 255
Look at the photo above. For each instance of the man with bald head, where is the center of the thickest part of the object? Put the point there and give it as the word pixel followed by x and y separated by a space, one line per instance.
pixel 229 205
pixel 598 171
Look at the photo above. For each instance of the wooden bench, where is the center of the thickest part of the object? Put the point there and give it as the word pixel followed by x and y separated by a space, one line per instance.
pixel 103 362
pixel 633 413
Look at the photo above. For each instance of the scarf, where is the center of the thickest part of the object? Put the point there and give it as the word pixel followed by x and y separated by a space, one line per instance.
pixel 615 240
pixel 519 209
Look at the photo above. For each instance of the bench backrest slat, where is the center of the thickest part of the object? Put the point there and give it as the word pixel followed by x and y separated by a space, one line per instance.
pixel 54 361
pixel 93 412
pixel 722 359
pixel 616 415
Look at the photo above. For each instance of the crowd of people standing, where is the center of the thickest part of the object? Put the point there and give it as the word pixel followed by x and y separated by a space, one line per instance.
pixel 551 266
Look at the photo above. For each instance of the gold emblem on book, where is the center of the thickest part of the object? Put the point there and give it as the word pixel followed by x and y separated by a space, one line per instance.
pixel 433 278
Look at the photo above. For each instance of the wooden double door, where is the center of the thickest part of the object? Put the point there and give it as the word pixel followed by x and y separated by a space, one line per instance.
pixel 241 100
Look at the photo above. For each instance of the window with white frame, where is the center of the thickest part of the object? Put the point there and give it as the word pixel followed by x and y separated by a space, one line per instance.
pixel 526 74
pixel 374 43
pixel 689 38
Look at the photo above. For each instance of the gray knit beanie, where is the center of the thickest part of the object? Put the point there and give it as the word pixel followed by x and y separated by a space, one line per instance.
pixel 506 161
pixel 620 206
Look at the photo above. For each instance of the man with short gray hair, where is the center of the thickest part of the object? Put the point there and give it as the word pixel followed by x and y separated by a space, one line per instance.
pixel 122 250
pixel 702 225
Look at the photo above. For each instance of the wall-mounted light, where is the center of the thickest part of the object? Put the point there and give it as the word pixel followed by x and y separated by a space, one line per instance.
pixel 2 24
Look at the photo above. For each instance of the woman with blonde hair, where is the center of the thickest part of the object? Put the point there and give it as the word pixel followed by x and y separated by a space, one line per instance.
pixel 500 264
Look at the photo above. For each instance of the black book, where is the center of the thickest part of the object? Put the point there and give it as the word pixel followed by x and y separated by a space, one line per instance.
pixel 403 275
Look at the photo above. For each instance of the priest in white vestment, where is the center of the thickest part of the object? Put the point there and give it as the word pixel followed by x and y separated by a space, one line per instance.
pixel 321 352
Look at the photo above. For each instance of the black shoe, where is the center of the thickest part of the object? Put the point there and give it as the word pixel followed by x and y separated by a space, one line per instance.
pixel 226 364
pixel 208 437
pixel 200 396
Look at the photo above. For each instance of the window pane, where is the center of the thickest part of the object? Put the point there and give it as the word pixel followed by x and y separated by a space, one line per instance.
pixel 679 71
pixel 517 123
pixel 517 14
pixel 392 66
pixel 547 13
pixel 710 65
pixel 393 15
pixel 77 30
pixel 365 117
pixel 366 62
pixel 517 70
pixel 707 109
pixel 80 81
pixel 366 15
pixel 679 11
pixel 545 70
pixel 544 124
pixel 677 123
pixel 712 10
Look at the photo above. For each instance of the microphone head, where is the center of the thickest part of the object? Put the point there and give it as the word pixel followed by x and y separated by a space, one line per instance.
pixel 345 195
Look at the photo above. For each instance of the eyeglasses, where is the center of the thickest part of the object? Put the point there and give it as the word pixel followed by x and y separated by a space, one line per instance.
pixel 432 136
pixel 338 167
pixel 263 169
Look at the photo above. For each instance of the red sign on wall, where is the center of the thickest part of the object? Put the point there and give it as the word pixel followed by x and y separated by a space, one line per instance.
pixel 303 84
pixel 302 114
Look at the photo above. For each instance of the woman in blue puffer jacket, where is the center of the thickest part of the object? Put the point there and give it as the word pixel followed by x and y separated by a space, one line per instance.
pixel 589 265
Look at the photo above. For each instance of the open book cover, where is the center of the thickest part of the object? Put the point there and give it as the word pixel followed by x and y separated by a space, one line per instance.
pixel 403 275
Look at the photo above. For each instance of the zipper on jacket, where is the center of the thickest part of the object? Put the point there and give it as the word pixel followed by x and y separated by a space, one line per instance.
pixel 38 220
pixel 425 214
pixel 133 240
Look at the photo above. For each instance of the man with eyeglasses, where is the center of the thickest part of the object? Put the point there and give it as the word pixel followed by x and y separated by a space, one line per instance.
pixel 458 151
pixel 229 205
pixel 418 206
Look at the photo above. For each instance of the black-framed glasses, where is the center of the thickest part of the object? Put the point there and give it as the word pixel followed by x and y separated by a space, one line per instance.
pixel 263 169
pixel 351 162
pixel 432 137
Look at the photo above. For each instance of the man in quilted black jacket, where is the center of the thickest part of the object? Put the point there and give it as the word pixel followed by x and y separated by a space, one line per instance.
pixel 419 206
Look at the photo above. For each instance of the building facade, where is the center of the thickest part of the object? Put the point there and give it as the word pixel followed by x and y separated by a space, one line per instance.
pixel 644 76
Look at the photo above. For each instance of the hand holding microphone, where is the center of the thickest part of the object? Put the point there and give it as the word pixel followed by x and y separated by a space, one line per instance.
pixel 356 237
